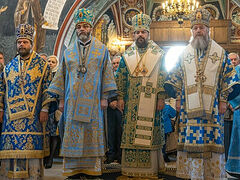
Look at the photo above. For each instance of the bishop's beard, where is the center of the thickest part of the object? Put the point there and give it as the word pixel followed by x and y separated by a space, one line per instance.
pixel 141 42
pixel 84 36
pixel 200 42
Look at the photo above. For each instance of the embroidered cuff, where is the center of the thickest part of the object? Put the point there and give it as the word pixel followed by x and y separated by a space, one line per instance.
pixel 114 98
pixel 223 100
pixel 45 108
pixel 178 98
pixel 120 95
pixel 119 98
pixel 224 96
pixel 104 95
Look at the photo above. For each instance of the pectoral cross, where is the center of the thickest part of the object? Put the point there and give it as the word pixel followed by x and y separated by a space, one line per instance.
pixel 214 57
pixel 200 77
pixel 137 70
pixel 81 70
pixel 22 81
pixel 189 58
pixel 144 70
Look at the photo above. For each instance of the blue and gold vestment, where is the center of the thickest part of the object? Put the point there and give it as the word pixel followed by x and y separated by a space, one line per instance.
pixel 200 81
pixel 233 161
pixel 23 136
pixel 82 119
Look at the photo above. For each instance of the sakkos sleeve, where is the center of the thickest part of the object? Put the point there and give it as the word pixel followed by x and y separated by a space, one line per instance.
pixel 122 79
pixel 109 88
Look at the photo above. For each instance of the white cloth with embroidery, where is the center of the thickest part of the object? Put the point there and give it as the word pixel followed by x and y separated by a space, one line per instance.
pixel 201 87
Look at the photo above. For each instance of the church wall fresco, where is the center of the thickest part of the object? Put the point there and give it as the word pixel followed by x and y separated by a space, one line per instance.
pixel 7 29
pixel 235 17
pixel 128 9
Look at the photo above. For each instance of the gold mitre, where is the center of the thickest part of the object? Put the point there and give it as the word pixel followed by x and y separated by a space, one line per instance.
pixel 200 16
pixel 141 21
pixel 25 31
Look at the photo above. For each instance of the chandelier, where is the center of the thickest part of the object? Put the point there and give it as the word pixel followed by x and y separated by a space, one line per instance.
pixel 179 8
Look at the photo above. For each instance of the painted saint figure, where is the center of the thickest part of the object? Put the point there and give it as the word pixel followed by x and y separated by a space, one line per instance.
pixel 21 16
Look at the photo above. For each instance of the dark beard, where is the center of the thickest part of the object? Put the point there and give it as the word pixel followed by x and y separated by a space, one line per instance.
pixel 24 53
pixel 141 44
pixel 200 42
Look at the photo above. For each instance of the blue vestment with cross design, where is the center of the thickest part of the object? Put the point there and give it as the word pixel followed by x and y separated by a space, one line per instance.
pixel 202 132
pixel 233 161
pixel 201 81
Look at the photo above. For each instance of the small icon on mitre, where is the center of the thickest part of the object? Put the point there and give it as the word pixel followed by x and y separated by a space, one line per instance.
pixel 80 14
pixel 198 15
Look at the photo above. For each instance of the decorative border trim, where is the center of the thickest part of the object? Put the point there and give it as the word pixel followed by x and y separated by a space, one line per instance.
pixel 124 13
pixel 212 7
pixel 231 11
pixel 155 11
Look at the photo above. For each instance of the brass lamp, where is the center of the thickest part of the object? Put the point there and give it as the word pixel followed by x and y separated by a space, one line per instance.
pixel 179 8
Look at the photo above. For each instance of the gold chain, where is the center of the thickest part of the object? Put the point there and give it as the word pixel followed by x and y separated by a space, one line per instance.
pixel 137 69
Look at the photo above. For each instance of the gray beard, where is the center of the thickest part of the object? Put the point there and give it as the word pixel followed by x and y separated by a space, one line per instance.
pixel 84 37
pixel 200 42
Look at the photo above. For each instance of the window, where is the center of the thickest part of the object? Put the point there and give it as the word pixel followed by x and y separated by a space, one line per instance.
pixel 172 54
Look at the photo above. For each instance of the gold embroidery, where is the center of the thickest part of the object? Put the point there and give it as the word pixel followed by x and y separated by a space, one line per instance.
pixel 34 73
pixel 96 53
pixel 23 106
pixel 192 89
pixel 189 58
pixel 39 88
pixel 14 74
pixel 72 55
pixel 137 69
pixel 148 90
pixel 198 15
pixel 21 133
pixel 200 77
pixel 8 154
pixel 214 57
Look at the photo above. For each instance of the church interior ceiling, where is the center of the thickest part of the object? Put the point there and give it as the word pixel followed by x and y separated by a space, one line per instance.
pixel 113 18
pixel 124 10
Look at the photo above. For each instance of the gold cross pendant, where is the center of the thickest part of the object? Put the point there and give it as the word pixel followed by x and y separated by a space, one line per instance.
pixel 144 70
pixel 200 76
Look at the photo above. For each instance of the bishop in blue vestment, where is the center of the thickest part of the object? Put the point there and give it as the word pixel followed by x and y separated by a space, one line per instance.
pixel 202 82
pixel 84 81
pixel 233 161
pixel 24 110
